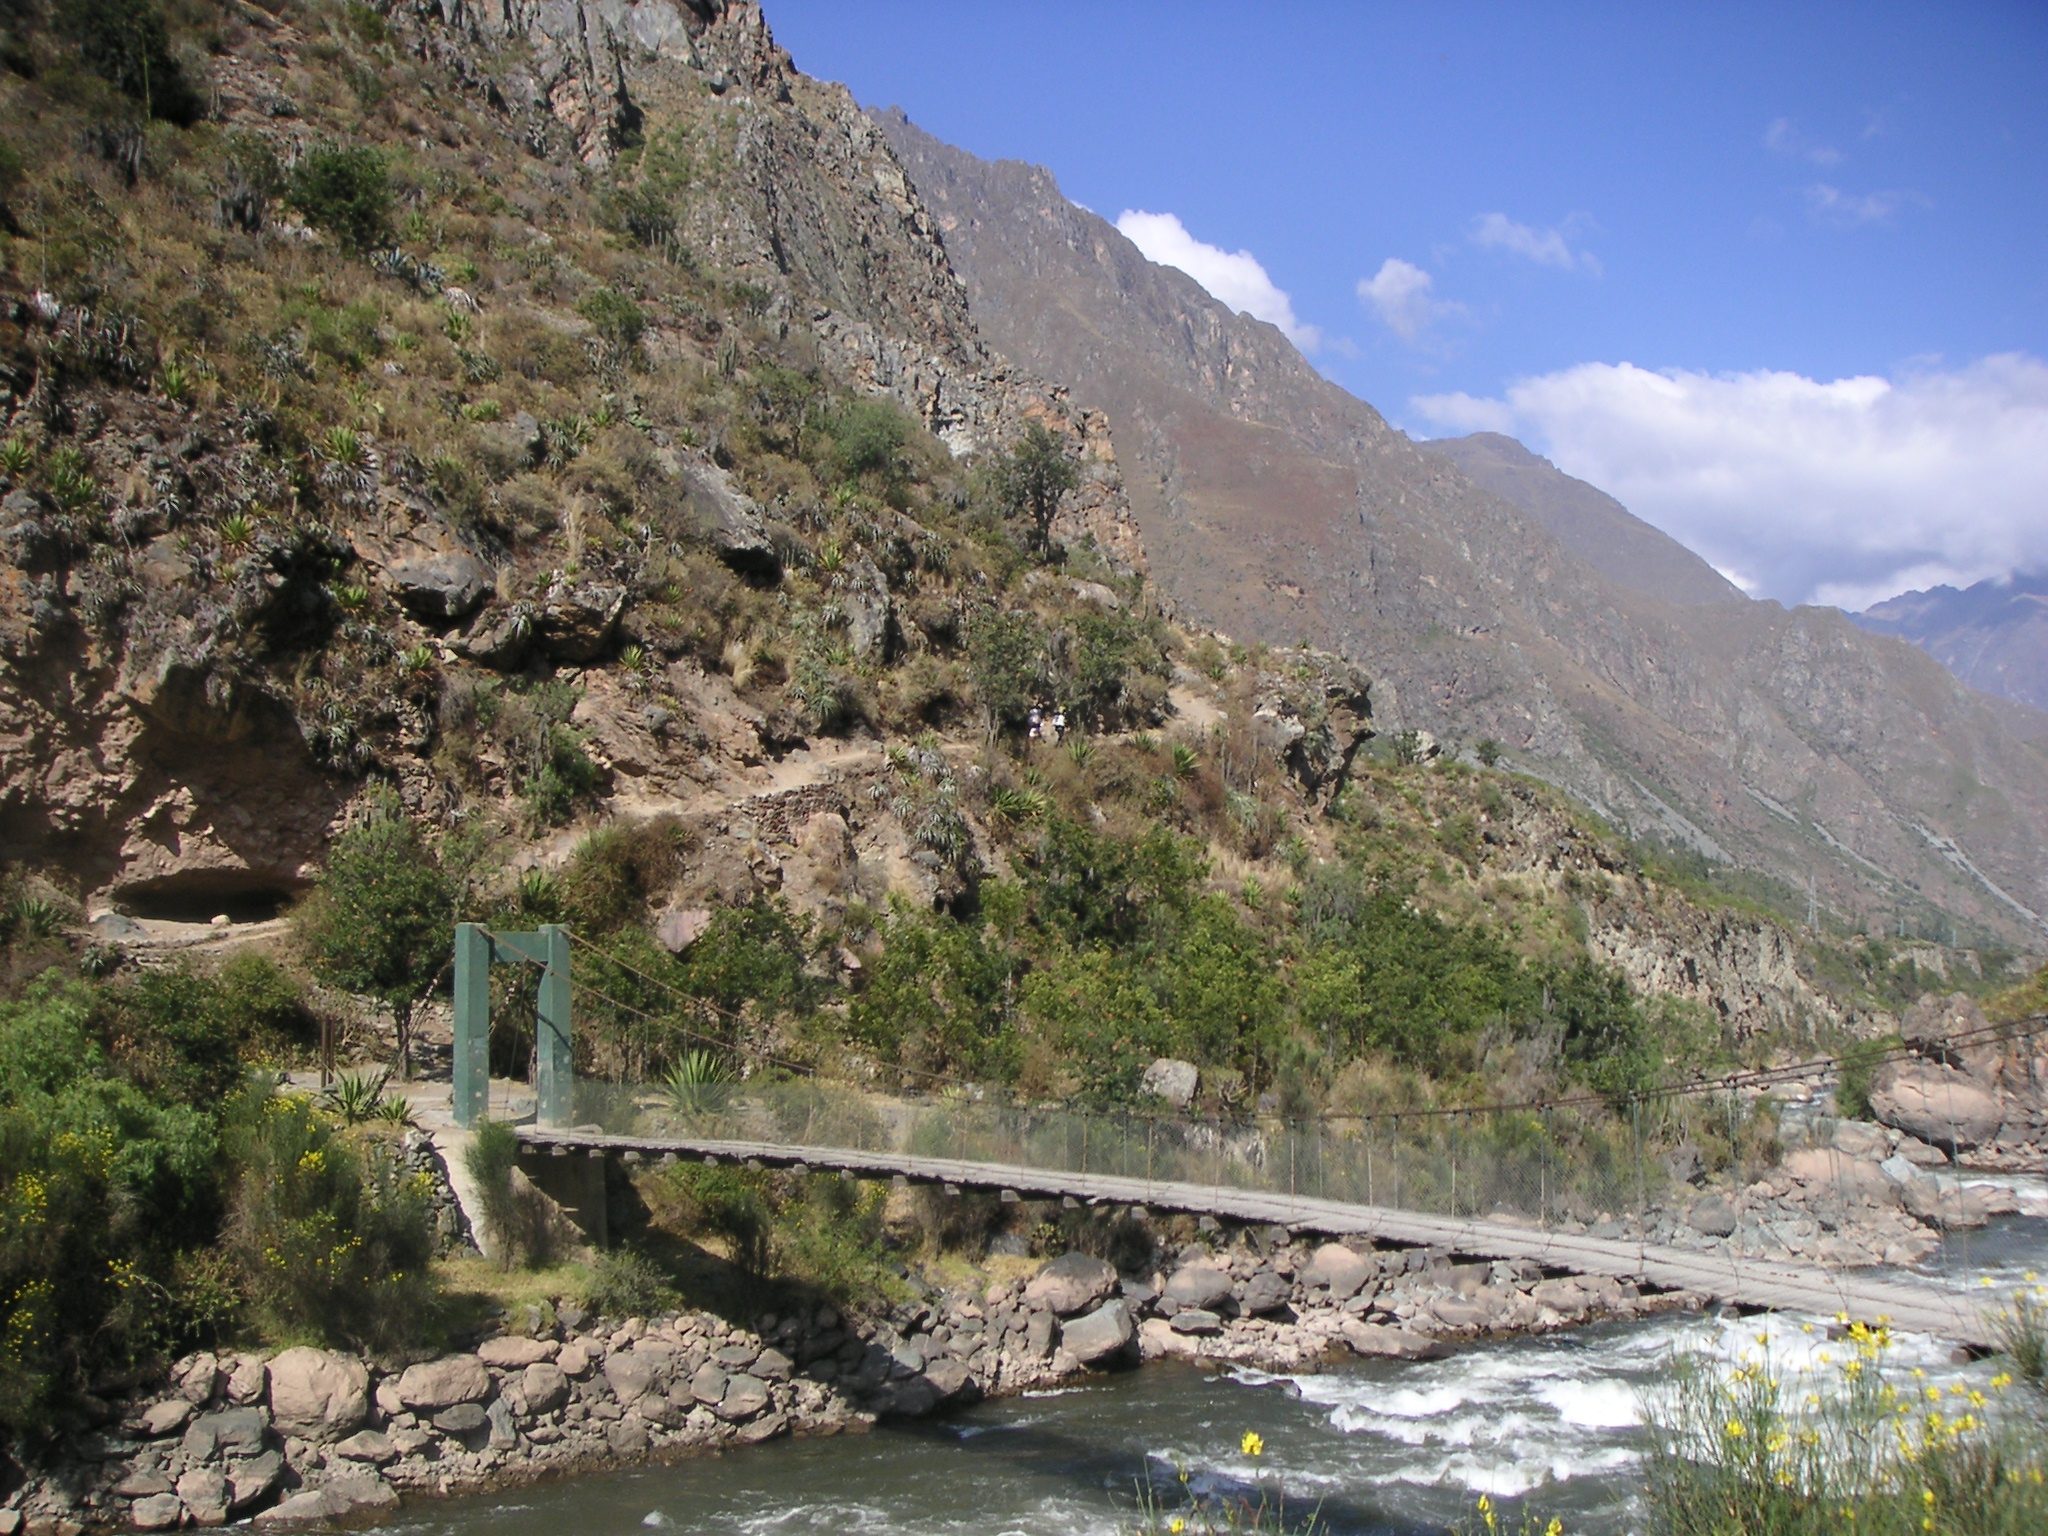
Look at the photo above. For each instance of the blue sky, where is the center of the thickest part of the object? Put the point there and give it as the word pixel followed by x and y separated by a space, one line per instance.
pixel 1478 214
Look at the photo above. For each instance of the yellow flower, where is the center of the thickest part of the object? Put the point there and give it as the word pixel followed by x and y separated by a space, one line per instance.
pixel 1555 1528
pixel 1734 1430
pixel 1253 1443
pixel 2000 1382
pixel 1177 1526
pixel 1927 1497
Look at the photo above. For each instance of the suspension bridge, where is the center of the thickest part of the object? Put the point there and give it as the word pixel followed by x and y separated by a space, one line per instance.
pixel 1512 1197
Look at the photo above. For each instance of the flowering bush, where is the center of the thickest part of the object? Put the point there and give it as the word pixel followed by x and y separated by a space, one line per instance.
pixel 1847 1442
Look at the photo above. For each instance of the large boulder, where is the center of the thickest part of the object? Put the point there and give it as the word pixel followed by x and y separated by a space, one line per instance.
pixel 729 520
pixel 1340 1269
pixel 437 1384
pixel 1099 1335
pixel 1382 1343
pixel 1198 1285
pixel 318 1396
pixel 1071 1283
pixel 1264 1292
pixel 744 1397
pixel 1714 1216
pixel 1171 1080
pixel 1937 1104
pixel 544 1386
pixel 442 588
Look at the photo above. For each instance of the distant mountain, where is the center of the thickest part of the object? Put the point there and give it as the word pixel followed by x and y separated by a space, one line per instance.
pixel 1993 636
pixel 1278 507
pixel 1587 521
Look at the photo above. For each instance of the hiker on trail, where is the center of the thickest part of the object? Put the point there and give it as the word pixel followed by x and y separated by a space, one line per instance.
pixel 1059 725
pixel 1034 719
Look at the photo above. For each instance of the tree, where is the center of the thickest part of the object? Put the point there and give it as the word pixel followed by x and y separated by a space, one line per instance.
pixel 1032 478
pixel 382 921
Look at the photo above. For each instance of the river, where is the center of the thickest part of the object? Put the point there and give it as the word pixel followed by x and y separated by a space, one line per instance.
pixel 1373 1447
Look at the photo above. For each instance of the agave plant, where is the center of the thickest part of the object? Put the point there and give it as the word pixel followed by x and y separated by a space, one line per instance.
pixel 1081 752
pixel 633 658
pixel 417 660
pixel 71 483
pixel 237 531
pixel 343 446
pixel 698 1082
pixel 1185 761
pixel 352 598
pixel 1145 742
pixel 174 381
pixel 358 1096
pixel 396 1111
pixel 1016 805
pixel 35 917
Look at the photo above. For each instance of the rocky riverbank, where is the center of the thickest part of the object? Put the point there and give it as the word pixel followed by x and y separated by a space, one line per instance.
pixel 307 1436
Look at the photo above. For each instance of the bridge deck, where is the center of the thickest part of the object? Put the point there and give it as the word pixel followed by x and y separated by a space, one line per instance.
pixel 1784 1287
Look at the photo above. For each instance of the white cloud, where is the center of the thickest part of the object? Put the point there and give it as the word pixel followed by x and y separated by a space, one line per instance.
pixel 1784 138
pixel 1853 208
pixel 1399 293
pixel 1235 278
pixel 1545 247
pixel 1846 491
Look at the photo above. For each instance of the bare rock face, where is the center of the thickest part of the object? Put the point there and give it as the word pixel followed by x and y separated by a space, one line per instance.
pixel 318 1396
pixel 442 589
pixel 1098 1335
pixel 1938 1104
pixel 513 1353
pixel 1071 1283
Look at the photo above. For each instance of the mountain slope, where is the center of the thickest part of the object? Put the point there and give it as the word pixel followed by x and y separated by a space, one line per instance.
pixel 1278 506
pixel 1587 521
pixel 1994 636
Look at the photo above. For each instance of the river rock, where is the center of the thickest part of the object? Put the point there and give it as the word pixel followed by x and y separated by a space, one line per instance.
pixel 513 1353
pixel 1937 1105
pixel 1476 1311
pixel 204 1493
pixel 158 1512
pixel 767 1427
pixel 1198 1320
pixel 1859 1138
pixel 575 1359
pixel 744 1397
pixel 142 1483
pixel 545 1386
pixel 949 1378
pixel 367 1445
pixel 231 1432
pixel 1338 1268
pixel 437 1384
pixel 630 1373
pixel 1264 1292
pixel 773 1365
pixel 1038 1334
pixel 248 1381
pixel 166 1418
pixel 708 1385
pixel 1071 1283
pixel 1198 1285
pixel 628 1437
pixel 1098 1335
pixel 1380 1342
pixel 318 1396
pixel 461 1419
pixel 250 1480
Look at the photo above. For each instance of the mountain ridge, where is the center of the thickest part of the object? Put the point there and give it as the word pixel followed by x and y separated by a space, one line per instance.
pixel 1279 507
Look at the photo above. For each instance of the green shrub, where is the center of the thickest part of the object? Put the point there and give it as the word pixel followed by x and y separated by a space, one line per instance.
pixel 615 317
pixel 100 1183
pixel 346 191
pixel 334 1238
pixel 868 439
pixel 629 1284
pixel 1860 1061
